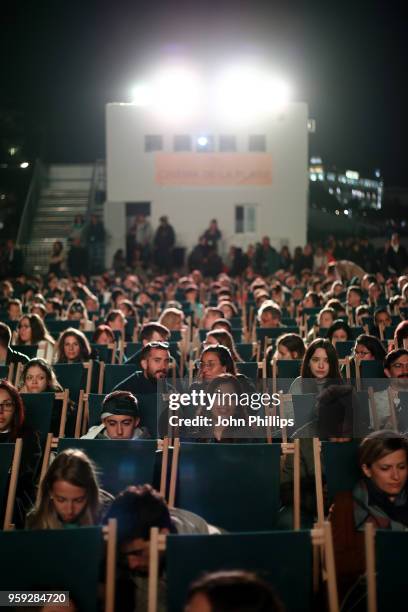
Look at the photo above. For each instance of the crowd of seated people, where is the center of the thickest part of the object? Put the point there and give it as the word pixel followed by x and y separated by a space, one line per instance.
pixel 129 343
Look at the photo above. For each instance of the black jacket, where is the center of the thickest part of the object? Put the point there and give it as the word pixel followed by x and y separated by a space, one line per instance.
pixel 15 357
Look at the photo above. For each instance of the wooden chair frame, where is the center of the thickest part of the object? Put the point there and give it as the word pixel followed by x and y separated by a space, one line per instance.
pixel 12 488
pixel 292 448
pixel 162 445
pixel 369 539
pixel 321 543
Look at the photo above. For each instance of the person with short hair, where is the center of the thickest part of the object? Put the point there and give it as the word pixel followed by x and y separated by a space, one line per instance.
pixel 232 590
pixel 137 509
pixel 396 370
pixel 14 309
pixel 354 296
pixel 381 496
pixel 150 332
pixel 120 419
pixel 155 362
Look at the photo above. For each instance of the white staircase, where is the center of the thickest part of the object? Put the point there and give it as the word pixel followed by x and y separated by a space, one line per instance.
pixel 65 193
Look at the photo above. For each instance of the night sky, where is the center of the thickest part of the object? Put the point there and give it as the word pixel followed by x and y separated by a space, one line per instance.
pixel 63 61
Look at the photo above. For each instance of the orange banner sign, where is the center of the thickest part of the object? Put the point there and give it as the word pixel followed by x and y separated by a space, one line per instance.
pixel 213 169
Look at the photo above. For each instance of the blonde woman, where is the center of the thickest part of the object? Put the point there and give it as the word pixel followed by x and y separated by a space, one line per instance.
pixel 69 494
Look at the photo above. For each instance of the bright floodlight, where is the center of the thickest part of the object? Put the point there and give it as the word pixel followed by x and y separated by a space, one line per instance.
pixel 172 92
pixel 24 165
pixel 142 95
pixel 202 141
pixel 177 92
pixel 246 91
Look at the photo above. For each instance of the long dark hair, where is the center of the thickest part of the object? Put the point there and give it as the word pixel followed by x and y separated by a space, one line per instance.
pixel 39 331
pixel 52 382
pixel 19 412
pixel 334 370
pixel 372 344
pixel 85 349
pixel 339 324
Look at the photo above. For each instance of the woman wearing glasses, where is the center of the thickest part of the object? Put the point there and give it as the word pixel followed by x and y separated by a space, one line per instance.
pixel 12 426
pixel 369 348
pixel 31 330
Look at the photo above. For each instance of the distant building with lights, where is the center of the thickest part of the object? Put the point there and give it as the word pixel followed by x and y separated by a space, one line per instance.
pixel 348 186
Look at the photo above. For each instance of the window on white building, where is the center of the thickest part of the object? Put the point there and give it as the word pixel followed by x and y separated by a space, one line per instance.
pixel 153 142
pixel 228 143
pixel 182 142
pixel 257 142
pixel 245 218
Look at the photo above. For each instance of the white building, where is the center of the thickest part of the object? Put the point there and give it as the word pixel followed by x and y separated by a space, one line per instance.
pixel 253 180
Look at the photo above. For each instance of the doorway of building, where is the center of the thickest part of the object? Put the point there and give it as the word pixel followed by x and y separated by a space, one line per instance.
pixel 138 250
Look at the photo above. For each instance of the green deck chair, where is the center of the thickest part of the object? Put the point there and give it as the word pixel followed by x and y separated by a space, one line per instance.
pixel 113 374
pixel 58 559
pixel 245 350
pixel 233 486
pixel 75 377
pixel 249 369
pixel 120 463
pixel 26 349
pixel 284 559
pixel 38 413
pixel 304 408
pixel 340 465
pixel 283 373
pixel 386 551
pixel 344 349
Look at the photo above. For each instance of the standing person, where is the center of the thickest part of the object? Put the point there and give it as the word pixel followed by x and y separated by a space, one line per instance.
pixel 213 234
pixel 396 256
pixel 57 259
pixel 143 237
pixel 95 236
pixel 267 259
pixel 164 241
pixel 77 229
pixel 14 259
pixel 77 258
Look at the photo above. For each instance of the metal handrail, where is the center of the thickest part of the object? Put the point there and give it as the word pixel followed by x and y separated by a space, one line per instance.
pixel 30 204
